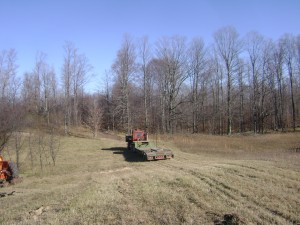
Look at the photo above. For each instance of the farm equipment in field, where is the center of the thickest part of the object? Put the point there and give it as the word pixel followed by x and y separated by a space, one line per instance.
pixel 8 172
pixel 137 141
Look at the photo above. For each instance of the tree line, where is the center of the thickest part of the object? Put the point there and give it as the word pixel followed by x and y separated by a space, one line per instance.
pixel 232 85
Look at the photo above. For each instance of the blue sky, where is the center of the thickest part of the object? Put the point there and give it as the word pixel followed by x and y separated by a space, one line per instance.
pixel 96 27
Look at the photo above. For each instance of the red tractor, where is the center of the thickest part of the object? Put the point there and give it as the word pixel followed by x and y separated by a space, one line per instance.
pixel 8 172
pixel 137 141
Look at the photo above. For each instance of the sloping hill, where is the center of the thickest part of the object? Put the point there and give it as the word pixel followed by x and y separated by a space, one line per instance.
pixel 96 181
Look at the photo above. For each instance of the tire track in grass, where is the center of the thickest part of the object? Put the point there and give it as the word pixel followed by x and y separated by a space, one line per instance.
pixel 248 173
pixel 286 173
pixel 195 191
pixel 224 192
pixel 274 184
pixel 282 175
pixel 215 189
pixel 274 179
pixel 228 192
pixel 289 197
pixel 245 198
pixel 248 167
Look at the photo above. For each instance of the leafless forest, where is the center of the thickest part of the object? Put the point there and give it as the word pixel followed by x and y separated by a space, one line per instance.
pixel 233 85
pixel 194 95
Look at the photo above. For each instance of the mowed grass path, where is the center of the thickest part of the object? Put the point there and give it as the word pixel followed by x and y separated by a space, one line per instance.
pixel 97 182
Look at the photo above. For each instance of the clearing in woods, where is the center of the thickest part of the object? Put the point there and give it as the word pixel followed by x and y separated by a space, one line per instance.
pixel 211 180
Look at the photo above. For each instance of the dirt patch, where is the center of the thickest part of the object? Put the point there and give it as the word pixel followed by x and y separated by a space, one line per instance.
pixel 35 214
pixel 228 219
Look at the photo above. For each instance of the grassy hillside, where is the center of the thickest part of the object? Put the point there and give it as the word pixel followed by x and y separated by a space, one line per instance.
pixel 243 179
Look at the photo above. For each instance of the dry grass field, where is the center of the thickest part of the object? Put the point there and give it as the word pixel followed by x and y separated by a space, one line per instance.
pixel 212 180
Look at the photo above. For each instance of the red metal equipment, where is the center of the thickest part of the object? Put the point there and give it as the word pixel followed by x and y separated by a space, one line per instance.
pixel 138 142
pixel 8 171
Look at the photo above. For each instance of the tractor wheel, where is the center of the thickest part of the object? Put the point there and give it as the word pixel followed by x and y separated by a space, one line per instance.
pixel 13 169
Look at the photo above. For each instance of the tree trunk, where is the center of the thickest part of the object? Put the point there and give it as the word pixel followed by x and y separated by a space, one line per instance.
pixel 292 96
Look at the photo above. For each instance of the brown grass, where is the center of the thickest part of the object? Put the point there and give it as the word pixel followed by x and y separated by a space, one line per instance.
pixel 254 178
pixel 264 147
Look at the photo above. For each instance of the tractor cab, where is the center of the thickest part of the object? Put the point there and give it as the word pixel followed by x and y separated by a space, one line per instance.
pixel 139 135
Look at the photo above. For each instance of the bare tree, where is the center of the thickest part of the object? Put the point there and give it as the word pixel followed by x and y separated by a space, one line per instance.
pixel 9 109
pixel 217 79
pixel 107 104
pixel 38 71
pixel 18 142
pixel 123 68
pixel 31 153
pixel 94 115
pixel 28 92
pixel 242 85
pixel 53 145
pixel 45 81
pixel 39 90
pixel 289 45
pixel 41 149
pixel 74 75
pixel 265 107
pixel 145 57
pixel 160 96
pixel 278 60
pixel 81 69
pixel 7 72
pixel 196 70
pixel 11 112
pixel 254 46
pixel 229 47
pixel 67 82
pixel 6 123
pixel 172 54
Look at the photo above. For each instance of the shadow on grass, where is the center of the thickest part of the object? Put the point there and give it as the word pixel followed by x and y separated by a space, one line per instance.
pixel 128 155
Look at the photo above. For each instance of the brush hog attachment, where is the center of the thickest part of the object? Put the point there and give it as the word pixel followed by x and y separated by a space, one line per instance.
pixel 157 154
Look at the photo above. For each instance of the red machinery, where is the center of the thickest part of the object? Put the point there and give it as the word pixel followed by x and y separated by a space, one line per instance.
pixel 138 142
pixel 8 171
